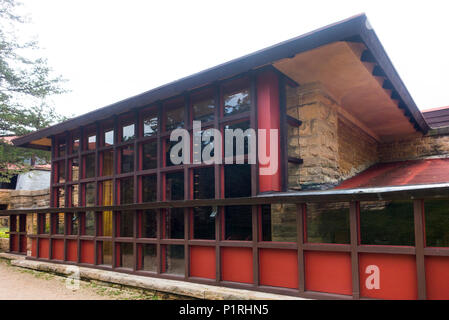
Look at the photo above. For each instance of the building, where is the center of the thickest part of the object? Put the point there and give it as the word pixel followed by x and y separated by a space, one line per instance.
pixel 356 208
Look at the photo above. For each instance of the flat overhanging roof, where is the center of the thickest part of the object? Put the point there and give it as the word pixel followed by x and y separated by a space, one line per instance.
pixel 354 29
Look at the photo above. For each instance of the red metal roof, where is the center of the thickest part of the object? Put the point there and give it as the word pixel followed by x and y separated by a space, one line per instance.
pixel 401 173
pixel 437 117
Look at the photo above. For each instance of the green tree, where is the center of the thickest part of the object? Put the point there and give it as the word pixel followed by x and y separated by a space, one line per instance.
pixel 26 82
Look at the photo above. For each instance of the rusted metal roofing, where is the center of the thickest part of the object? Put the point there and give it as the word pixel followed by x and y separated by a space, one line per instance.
pixel 438 117
pixel 412 172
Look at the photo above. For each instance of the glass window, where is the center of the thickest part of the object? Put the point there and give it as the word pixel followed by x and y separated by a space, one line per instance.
pixel 204 183
pixel 387 223
pixel 149 257
pixel 109 137
pixel 204 222
pixel 174 183
pixel 75 144
pixel 149 151
pixel 60 197
pixel 74 195
pixel 90 194
pixel 45 223
pixel 126 224
pixel 106 223
pixel 236 102
pixel 243 145
pixel 238 223
pixel 106 193
pixel 150 124
pixel 174 259
pixel 89 166
pixel 149 224
pixel 279 222
pixel 106 253
pixel 32 223
pixel 174 118
pixel 59 223
pixel 237 180
pixel 174 223
pixel 62 147
pixel 127 159
pixel 75 167
pixel 328 223
pixel 437 223
pixel 91 142
pixel 61 171
pixel 126 190
pixel 89 223
pixel 128 132
pixel 203 110
pixel 107 163
pixel 149 188
pixel 168 146
pixel 72 223
pixel 126 255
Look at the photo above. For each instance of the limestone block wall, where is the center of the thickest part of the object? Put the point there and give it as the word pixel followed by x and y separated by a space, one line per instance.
pixel 21 199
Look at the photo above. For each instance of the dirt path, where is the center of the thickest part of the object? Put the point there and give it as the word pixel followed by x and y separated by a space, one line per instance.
pixel 23 284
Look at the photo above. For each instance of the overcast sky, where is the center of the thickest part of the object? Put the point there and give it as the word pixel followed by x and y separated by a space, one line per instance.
pixel 111 50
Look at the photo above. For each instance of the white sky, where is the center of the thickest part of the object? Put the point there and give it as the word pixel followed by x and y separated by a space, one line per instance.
pixel 111 50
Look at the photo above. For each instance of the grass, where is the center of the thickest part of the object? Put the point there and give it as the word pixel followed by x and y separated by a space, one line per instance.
pixel 3 233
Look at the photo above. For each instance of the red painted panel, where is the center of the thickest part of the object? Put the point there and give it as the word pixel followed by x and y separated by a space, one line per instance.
pixel 328 272
pixel 13 242
pixel 237 264
pixel 34 248
pixel 23 244
pixel 202 262
pixel 397 277
pixel 58 249
pixel 87 252
pixel 44 248
pixel 278 268
pixel 269 118
pixel 72 250
pixel 437 278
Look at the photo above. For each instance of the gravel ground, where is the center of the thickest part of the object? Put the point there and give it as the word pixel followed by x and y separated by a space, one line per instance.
pixel 23 284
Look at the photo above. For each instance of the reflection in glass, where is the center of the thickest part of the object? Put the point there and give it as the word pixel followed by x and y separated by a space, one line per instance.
pixel 174 259
pixel 328 223
pixel 204 223
pixel 174 223
pixel 437 223
pixel 279 222
pixel 128 132
pixel 236 102
pixel 149 257
pixel 238 223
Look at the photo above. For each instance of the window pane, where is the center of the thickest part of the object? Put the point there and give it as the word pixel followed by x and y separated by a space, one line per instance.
pixel 174 223
pixel 150 125
pixel 89 166
pixel 109 138
pixel 387 223
pixel 75 167
pixel 75 145
pixel 149 188
pixel 149 157
pixel 174 118
pixel 128 132
pixel 204 183
pixel 45 224
pixel 126 255
pixel 61 172
pixel 437 223
pixel 59 223
pixel 32 223
pixel 106 253
pixel 106 221
pixel 168 146
pixel 149 224
pixel 62 147
pixel 126 224
pixel 174 186
pixel 204 223
pixel 203 110
pixel 279 223
pixel 89 223
pixel 61 197
pixel 91 142
pixel 127 159
pixel 90 194
pixel 126 191
pixel 106 196
pixel 236 102
pixel 73 223
pixel 149 257
pixel 238 223
pixel 107 164
pixel 237 180
pixel 74 191
pixel 174 259
pixel 243 144
pixel 328 223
